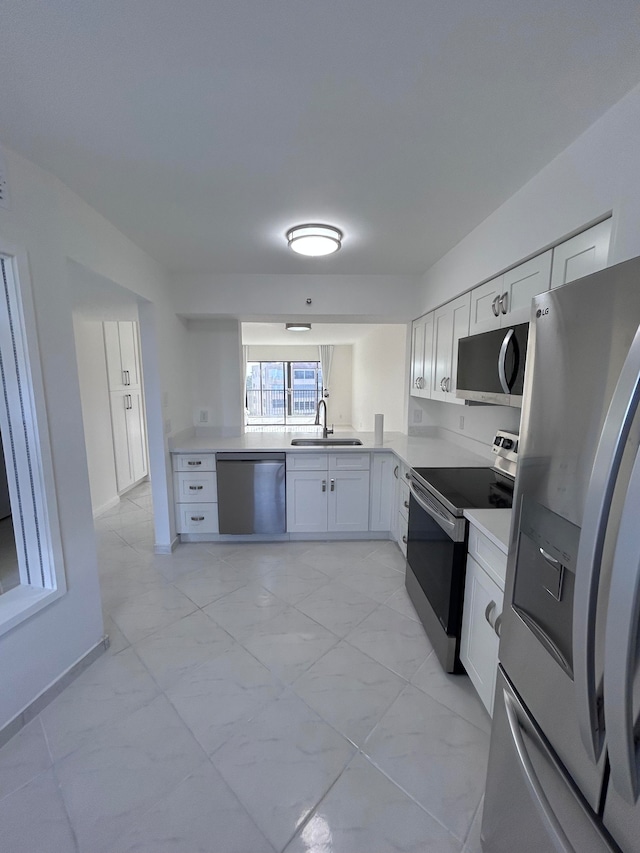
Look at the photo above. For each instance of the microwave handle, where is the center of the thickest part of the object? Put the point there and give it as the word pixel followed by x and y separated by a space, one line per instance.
pixel 502 361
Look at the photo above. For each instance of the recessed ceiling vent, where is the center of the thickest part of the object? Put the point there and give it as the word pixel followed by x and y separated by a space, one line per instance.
pixel 4 186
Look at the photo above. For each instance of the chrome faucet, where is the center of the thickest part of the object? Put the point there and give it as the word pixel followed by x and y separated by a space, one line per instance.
pixel 325 431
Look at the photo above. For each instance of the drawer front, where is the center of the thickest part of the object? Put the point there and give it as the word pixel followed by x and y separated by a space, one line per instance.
pixel 197 518
pixel 194 462
pixel 349 461
pixel 199 487
pixel 403 506
pixel 488 555
pixel 306 461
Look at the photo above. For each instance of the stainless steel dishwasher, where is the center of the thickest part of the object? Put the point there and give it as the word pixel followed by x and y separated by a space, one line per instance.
pixel 251 492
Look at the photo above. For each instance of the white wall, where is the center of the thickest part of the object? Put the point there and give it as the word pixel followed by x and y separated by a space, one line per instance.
pixel 215 353
pixel 53 225
pixel 359 298
pixel 597 174
pixel 379 378
pixel 96 412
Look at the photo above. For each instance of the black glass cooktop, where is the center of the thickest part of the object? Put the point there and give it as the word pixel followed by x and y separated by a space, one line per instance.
pixel 468 488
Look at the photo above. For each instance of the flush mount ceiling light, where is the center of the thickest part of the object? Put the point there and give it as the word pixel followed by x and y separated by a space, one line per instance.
pixel 298 327
pixel 314 240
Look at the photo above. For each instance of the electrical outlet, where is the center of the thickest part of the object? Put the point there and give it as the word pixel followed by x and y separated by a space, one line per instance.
pixel 417 416
pixel 203 416
pixel 461 421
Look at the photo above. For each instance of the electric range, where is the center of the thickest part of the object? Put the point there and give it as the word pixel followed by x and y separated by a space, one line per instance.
pixel 437 539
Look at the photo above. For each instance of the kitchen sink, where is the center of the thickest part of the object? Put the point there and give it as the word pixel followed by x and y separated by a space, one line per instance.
pixel 325 442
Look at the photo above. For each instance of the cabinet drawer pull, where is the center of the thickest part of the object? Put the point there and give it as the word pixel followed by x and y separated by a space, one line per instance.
pixel 404 539
pixel 406 503
pixel 198 462
pixel 197 518
pixel 196 488
pixel 407 475
pixel 333 485
pixel 324 485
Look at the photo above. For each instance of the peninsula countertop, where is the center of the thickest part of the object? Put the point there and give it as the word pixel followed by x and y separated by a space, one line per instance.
pixel 414 451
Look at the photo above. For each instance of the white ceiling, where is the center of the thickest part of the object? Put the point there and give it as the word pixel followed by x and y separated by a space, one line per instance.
pixel 254 334
pixel 205 128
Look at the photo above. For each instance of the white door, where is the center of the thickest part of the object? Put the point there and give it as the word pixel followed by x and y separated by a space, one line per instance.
pixel 115 372
pixel 348 509
pixel 306 502
pixel 485 311
pixel 520 285
pixel 479 639
pixel 581 255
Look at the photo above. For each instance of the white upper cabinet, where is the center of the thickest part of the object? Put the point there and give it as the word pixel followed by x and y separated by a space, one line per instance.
pixel 421 356
pixel 450 323
pixel 506 299
pixel 121 348
pixel 581 255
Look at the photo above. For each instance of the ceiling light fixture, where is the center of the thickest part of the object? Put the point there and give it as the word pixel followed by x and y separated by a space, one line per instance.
pixel 314 240
pixel 298 327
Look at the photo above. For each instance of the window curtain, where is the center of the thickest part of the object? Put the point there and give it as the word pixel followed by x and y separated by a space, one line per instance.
pixel 245 359
pixel 326 357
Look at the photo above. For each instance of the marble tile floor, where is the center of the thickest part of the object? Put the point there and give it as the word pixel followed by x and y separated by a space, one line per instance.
pixel 255 698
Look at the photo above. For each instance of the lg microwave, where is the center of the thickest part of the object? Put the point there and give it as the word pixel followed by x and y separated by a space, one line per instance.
pixel 491 366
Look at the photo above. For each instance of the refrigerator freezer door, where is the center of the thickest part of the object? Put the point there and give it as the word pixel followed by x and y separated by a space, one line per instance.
pixel 530 806
pixel 579 340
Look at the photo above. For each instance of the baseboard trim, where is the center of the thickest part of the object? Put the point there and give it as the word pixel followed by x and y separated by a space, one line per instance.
pixel 47 696
pixel 167 549
pixel 106 506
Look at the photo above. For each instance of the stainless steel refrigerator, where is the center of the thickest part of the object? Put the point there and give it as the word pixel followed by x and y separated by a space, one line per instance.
pixel 564 763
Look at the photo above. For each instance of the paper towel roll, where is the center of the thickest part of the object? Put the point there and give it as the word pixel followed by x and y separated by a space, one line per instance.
pixel 378 430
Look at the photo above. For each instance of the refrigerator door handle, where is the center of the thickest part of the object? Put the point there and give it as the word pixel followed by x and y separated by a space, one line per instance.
pixel 560 840
pixel 502 362
pixel 606 465
pixel 621 636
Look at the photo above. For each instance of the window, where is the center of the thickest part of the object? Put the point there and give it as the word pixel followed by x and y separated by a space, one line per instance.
pixel 31 505
pixel 282 392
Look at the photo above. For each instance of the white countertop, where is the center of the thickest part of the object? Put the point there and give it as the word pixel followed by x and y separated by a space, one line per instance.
pixel 494 523
pixel 415 451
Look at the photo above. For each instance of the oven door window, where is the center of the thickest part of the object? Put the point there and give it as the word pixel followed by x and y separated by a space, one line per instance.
pixel 438 564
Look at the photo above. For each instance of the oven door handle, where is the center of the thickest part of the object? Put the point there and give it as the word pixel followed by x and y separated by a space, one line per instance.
pixel 431 509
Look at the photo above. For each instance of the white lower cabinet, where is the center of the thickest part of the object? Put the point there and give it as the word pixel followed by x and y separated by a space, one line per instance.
pixel 129 444
pixel 196 493
pixel 481 621
pixel 335 500
pixel 382 491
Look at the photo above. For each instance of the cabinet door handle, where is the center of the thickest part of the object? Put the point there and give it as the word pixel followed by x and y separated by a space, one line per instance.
pixel 404 539
pixel 406 503
pixel 324 485
pixel 197 518
pixel 448 385
pixel 504 302
pixel 333 485
pixel 124 377
pixel 442 381
pixel 196 488
pixel 407 475
pixel 491 606
pixel 497 627
pixel 494 306
pixel 198 462
pixel 395 471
